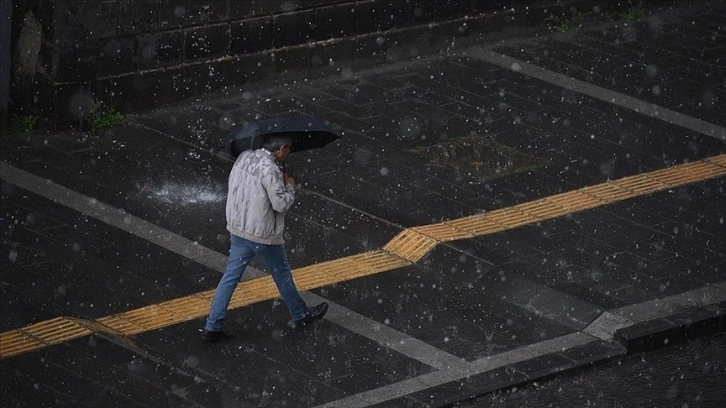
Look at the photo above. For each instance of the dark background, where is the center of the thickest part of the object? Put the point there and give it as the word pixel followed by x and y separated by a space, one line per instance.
pixel 139 55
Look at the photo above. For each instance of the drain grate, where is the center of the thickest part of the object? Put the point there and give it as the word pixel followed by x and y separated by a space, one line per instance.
pixel 478 156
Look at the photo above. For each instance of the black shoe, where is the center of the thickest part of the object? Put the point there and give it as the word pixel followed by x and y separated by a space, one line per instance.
pixel 215 336
pixel 314 313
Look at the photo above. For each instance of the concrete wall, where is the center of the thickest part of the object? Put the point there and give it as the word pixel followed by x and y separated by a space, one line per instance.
pixel 6 12
pixel 143 54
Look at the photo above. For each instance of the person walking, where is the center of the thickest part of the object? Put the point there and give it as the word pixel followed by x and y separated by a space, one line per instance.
pixel 259 195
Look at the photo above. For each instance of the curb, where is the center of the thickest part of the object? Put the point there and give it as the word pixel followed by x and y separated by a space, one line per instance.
pixel 673 329
pixel 648 335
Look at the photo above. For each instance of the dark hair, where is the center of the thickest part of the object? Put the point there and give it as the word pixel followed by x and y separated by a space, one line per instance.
pixel 275 142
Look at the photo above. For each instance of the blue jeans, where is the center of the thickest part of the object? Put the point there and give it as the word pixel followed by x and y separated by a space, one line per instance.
pixel 240 254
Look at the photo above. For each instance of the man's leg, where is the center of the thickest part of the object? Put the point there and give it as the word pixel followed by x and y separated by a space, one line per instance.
pixel 274 258
pixel 240 255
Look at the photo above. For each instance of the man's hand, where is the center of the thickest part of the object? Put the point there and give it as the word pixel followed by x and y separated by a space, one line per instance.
pixel 288 180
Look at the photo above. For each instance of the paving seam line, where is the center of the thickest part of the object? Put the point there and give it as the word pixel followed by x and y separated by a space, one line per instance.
pixel 407 247
pixel 597 92
pixel 692 300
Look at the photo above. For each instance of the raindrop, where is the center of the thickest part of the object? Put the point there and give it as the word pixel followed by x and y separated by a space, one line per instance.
pixel 651 70
pixel 346 73
pixel 361 156
pixel 226 122
pixel 288 6
pixel 136 366
pixel 410 127
pixel 709 99
pixel 191 361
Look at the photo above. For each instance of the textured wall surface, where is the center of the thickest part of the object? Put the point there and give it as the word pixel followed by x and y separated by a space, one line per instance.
pixel 142 54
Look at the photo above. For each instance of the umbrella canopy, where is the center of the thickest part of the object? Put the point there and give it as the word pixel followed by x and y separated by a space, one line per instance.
pixel 306 132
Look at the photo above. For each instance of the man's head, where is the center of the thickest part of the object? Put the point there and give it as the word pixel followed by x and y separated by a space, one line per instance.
pixel 280 146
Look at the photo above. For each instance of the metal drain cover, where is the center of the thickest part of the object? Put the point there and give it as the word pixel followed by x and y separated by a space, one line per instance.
pixel 479 156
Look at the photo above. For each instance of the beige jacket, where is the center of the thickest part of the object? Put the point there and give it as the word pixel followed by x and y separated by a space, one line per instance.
pixel 258 198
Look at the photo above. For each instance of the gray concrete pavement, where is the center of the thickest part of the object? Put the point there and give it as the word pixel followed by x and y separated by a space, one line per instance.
pixel 684 375
pixel 115 226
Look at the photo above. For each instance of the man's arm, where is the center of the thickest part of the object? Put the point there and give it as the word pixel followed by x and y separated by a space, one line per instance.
pixel 280 191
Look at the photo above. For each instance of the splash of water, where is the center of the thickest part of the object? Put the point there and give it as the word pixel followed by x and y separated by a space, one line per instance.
pixel 178 193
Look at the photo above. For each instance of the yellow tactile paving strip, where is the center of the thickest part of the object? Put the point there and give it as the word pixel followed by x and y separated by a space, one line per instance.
pixel 406 248
pixel 411 245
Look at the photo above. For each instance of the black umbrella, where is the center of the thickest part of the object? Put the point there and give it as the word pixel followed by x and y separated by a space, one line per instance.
pixel 306 132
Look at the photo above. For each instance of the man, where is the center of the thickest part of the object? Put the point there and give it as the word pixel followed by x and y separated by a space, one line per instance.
pixel 258 197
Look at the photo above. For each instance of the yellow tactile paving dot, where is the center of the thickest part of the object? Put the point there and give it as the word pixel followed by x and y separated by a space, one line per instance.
pixel 477 224
pixel 576 201
pixel 512 217
pixel 342 269
pixel 40 335
pixel 607 192
pixel 410 245
pixel 642 185
pixel 406 248
pixel 542 209
pixel 443 232
pixel 719 160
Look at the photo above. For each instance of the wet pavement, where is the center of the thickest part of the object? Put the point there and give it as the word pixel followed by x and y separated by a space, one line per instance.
pixel 687 375
pixel 97 228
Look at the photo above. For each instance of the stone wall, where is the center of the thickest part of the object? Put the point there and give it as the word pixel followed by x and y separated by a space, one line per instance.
pixel 142 54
